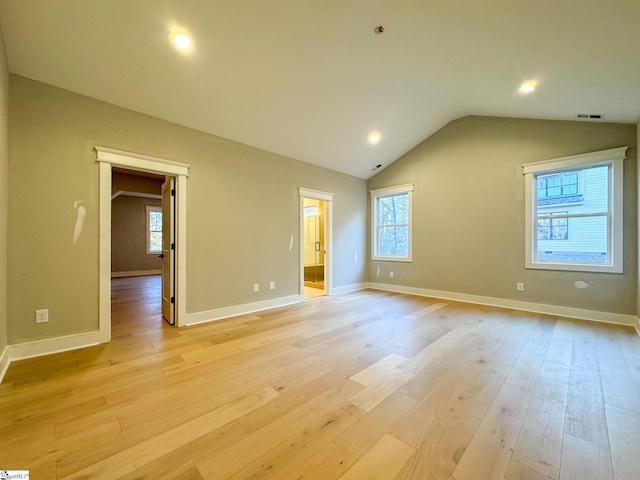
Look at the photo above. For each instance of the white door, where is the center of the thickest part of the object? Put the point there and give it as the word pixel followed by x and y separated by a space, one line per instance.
pixel 311 240
pixel 168 250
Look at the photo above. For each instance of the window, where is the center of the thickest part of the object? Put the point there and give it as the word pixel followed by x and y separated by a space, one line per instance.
pixel 587 234
pixel 557 185
pixel 550 228
pixel 391 223
pixel 308 211
pixel 154 229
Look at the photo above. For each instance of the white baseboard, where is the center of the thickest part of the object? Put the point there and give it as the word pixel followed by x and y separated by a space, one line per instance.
pixel 582 314
pixel 234 311
pixel 637 325
pixel 135 273
pixel 48 346
pixel 4 362
pixel 354 287
pixel 38 348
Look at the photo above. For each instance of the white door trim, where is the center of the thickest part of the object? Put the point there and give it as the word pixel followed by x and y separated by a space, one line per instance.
pixel 108 157
pixel 328 198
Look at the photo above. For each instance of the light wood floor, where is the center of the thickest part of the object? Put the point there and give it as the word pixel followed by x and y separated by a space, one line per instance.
pixel 365 385
pixel 313 292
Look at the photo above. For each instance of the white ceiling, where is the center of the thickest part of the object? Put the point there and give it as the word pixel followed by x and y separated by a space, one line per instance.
pixel 310 79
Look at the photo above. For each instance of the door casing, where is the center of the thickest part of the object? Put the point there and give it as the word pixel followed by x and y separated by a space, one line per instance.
pixel 108 157
pixel 328 198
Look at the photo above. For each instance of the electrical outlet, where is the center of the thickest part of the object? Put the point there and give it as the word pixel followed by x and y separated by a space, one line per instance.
pixel 42 316
pixel 256 287
pixel 390 274
pixel 520 286
pixel 272 285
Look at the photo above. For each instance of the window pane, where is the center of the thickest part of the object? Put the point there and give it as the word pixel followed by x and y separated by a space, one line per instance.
pixel 586 243
pixel 544 229
pixel 542 187
pixel 154 224
pixel 393 210
pixel 393 241
pixel 553 228
pixel 155 221
pixel 570 184
pixel 155 241
pixel 553 191
pixel 559 229
pixel 553 181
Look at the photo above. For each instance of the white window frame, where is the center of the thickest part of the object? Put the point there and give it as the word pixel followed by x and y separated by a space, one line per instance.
pixel 148 210
pixel 389 192
pixel 612 157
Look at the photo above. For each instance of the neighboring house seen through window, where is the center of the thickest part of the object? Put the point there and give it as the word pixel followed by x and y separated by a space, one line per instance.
pixel 557 185
pixel 586 233
pixel 391 222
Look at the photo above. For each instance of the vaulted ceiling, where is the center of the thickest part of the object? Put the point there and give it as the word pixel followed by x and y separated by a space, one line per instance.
pixel 312 79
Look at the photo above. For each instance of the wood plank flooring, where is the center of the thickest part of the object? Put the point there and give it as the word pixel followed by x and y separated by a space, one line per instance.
pixel 358 386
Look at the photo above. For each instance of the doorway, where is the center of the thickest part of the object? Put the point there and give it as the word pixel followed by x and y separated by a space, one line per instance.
pixel 315 243
pixel 137 226
pixel 314 246
pixel 107 159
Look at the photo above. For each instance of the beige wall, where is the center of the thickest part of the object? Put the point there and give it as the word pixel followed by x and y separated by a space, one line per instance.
pixel 129 235
pixel 638 186
pixel 129 222
pixel 243 205
pixel 469 212
pixel 4 185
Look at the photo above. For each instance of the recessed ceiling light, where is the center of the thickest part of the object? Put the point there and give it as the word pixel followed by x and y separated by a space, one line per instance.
pixel 528 87
pixel 374 137
pixel 181 41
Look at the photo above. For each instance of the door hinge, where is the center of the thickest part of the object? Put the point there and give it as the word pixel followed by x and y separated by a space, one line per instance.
pixel 173 299
pixel 173 192
pixel 173 246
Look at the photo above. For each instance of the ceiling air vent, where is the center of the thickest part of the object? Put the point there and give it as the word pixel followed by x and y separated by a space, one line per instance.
pixel 589 115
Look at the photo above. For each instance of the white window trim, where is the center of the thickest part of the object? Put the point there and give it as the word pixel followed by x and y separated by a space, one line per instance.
pixel 387 192
pixel 148 209
pixel 614 157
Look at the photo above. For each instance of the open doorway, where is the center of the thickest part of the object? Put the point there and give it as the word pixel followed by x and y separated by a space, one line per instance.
pixel 315 243
pixel 109 160
pixel 136 206
pixel 142 241
pixel 314 246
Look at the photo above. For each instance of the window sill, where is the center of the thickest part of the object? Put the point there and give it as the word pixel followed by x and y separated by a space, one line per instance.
pixel 392 259
pixel 574 267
